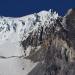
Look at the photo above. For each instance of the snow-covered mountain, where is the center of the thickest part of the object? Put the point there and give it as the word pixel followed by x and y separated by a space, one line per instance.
pixel 21 27
pixel 38 44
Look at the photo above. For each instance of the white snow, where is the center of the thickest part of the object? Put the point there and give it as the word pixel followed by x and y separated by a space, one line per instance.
pixel 15 66
pixel 28 50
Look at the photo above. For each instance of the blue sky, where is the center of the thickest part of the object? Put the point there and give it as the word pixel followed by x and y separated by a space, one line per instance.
pixel 15 8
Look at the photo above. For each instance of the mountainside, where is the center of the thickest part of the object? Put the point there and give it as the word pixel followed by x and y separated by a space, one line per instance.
pixel 44 42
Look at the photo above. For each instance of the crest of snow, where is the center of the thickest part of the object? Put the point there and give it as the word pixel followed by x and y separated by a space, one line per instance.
pixel 18 29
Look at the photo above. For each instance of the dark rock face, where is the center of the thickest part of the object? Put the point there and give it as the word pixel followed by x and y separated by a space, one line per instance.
pixel 56 56
pixel 70 21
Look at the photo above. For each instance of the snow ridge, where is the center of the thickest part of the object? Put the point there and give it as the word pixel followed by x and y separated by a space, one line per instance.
pixel 18 29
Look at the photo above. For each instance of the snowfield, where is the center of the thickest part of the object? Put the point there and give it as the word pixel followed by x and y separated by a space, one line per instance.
pixel 16 66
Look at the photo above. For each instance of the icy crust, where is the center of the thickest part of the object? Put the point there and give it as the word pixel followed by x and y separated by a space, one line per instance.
pixel 19 28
